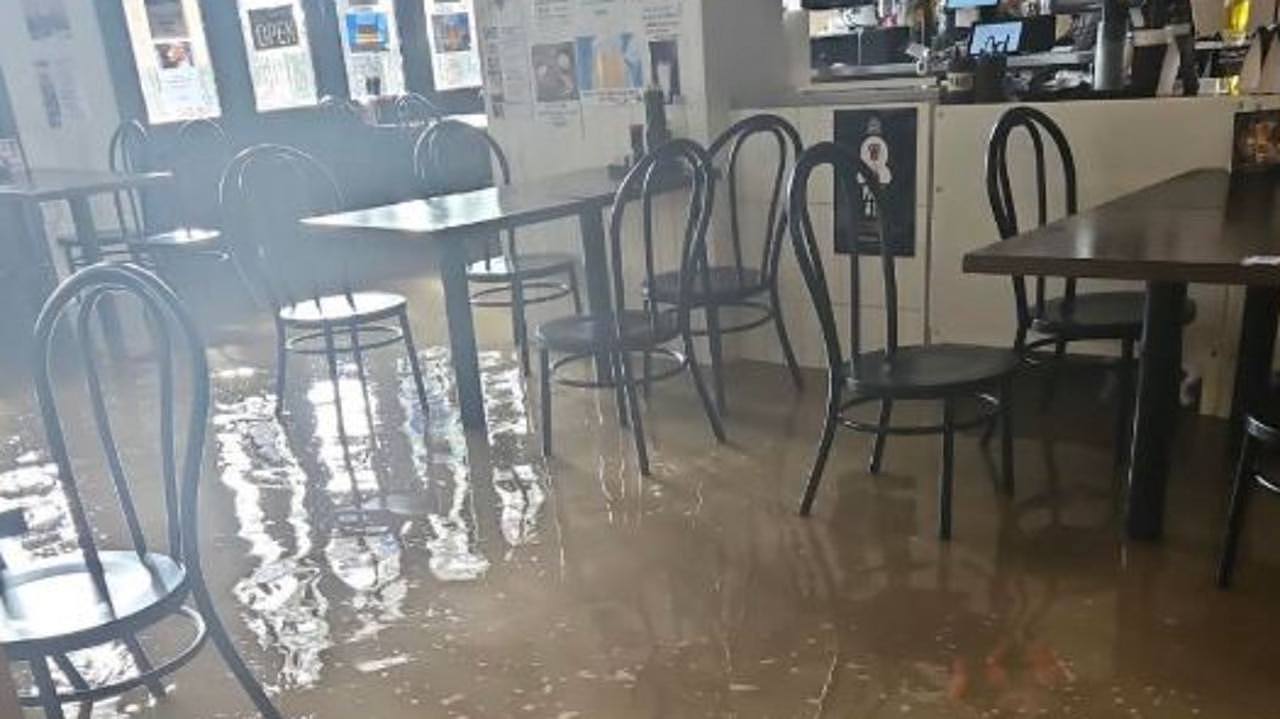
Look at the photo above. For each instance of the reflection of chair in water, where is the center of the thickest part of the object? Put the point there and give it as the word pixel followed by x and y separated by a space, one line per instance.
pixel 94 597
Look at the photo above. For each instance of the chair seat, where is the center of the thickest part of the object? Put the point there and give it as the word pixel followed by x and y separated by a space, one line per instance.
pixel 1099 315
pixel 55 600
pixel 930 371
pixel 537 264
pixel 726 284
pixel 358 307
pixel 183 238
pixel 589 333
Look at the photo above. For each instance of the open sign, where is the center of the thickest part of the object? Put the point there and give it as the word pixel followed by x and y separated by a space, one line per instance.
pixel 273 27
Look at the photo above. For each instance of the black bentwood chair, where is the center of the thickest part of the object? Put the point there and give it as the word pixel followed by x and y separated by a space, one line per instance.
pixel 507 276
pixel 265 191
pixel 93 596
pixel 415 111
pixel 625 332
pixel 947 373
pixel 1262 436
pixel 746 282
pixel 1074 316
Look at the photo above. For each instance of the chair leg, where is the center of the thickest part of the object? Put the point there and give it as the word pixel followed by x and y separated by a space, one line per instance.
pixel 1241 490
pixel 154 685
pixel 699 383
pixel 946 480
pixel 1051 380
pixel 877 445
pixel 1124 404
pixel 282 366
pixel 415 365
pixel 824 447
pixel 222 640
pixel 544 370
pixel 518 327
pixel 45 689
pixel 573 291
pixel 637 424
pixel 1006 435
pixel 784 339
pixel 78 682
pixel 715 343
pixel 619 388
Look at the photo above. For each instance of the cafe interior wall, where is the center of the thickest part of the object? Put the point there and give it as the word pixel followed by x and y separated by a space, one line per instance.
pixel 77 75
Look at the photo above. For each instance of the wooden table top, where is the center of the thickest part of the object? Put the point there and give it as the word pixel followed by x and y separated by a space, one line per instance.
pixel 467 214
pixel 1204 226
pixel 58 183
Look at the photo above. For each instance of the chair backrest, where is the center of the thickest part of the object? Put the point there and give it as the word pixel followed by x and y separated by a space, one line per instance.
pixel 414 110
pixel 445 158
pixel 675 165
pixel 200 152
pixel 1000 194
pixel 727 149
pixel 130 150
pixel 264 191
pixel 855 180
pixel 175 341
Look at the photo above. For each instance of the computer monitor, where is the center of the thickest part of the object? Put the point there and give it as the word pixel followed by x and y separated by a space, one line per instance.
pixel 966 4
pixel 995 38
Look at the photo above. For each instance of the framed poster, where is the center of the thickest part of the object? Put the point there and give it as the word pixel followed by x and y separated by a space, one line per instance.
pixel 886 142
pixel 1255 141
pixel 172 59
pixel 371 48
pixel 275 39
pixel 455 52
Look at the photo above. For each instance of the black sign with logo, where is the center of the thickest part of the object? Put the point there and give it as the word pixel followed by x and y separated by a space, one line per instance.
pixel 273 27
pixel 886 142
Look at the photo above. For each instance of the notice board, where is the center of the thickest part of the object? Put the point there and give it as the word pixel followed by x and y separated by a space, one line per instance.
pixel 886 142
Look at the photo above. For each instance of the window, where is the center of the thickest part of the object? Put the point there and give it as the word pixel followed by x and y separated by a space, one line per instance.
pixel 275 39
pixel 371 48
pixel 451 35
pixel 172 58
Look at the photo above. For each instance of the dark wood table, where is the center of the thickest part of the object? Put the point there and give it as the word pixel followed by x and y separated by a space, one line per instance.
pixel 75 187
pixel 1206 227
pixel 453 222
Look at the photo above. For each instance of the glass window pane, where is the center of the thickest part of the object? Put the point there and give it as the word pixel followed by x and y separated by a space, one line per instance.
pixel 275 39
pixel 172 58
pixel 451 34
pixel 371 48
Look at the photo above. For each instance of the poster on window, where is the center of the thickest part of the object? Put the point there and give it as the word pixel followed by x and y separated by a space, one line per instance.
pixel 172 59
pixel 275 38
pixel 451 35
pixel 371 48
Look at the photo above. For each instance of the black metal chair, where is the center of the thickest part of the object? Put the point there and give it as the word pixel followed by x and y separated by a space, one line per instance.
pixel 416 111
pixel 200 151
pixel 506 275
pixel 745 283
pixel 1074 316
pixel 624 332
pixel 948 373
pixel 1262 437
pixel 93 596
pixel 264 191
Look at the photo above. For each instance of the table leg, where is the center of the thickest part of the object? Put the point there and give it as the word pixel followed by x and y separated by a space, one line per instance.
pixel 462 334
pixel 1157 409
pixel 595 257
pixel 87 236
pixel 1253 356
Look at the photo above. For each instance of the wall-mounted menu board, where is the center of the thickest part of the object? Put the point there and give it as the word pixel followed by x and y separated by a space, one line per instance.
pixel 371 47
pixel 451 35
pixel 172 59
pixel 275 39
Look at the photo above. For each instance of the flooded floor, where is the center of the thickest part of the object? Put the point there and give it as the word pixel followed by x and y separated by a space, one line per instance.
pixel 375 562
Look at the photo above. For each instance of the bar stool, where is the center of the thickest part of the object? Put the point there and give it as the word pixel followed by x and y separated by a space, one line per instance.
pixel 507 276
pixel 944 373
pixel 1262 436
